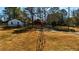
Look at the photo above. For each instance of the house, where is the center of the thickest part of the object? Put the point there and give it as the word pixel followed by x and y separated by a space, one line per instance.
pixel 15 23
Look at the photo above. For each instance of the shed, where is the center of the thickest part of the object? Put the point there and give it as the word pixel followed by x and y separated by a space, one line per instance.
pixel 15 23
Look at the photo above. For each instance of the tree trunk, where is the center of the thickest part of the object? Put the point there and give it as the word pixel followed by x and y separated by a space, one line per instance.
pixel 32 20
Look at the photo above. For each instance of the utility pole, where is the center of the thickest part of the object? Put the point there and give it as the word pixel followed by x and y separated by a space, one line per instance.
pixel 68 15
pixel 68 12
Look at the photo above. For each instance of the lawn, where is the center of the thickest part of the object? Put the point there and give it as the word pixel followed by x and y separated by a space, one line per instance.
pixel 27 41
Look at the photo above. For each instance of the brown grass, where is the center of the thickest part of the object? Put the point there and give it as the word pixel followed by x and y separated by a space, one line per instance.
pixel 26 41
pixel 62 41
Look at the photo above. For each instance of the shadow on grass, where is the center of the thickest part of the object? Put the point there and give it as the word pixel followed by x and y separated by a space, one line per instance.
pixel 64 29
pixel 22 30
pixel 28 28
pixel 8 28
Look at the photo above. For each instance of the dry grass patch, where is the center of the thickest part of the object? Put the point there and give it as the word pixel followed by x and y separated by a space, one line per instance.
pixel 26 41
pixel 62 41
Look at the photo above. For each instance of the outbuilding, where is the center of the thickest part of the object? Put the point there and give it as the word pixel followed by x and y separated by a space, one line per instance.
pixel 15 23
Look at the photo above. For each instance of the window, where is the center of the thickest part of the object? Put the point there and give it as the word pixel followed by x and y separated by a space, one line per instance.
pixel 12 23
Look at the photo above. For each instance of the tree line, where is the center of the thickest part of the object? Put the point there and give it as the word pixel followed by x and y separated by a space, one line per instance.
pixel 51 15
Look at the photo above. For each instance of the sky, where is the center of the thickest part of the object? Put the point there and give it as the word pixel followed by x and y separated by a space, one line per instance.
pixel 1 8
